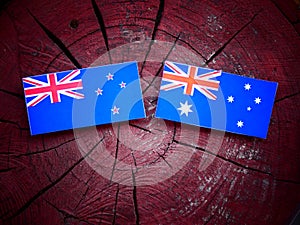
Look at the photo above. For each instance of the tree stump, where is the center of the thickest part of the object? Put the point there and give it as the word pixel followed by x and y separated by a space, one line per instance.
pixel 162 172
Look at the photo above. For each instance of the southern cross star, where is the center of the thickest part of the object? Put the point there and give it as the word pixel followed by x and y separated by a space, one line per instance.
pixel 122 85
pixel 110 76
pixel 240 123
pixel 247 87
pixel 99 91
pixel 115 110
pixel 230 99
pixel 257 100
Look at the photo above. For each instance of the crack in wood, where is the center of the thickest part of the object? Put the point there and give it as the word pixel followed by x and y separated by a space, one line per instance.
pixel 116 153
pixel 143 18
pixel 171 142
pixel 135 203
pixel 278 128
pixel 167 148
pixel 86 191
pixel 163 157
pixel 51 185
pixel 287 96
pixel 134 159
pixel 162 64
pixel 82 198
pixel 237 164
pixel 3 4
pixel 287 181
pixel 183 6
pixel 7 169
pixel 196 27
pixel 295 219
pixel 153 102
pixel 120 26
pixel 57 41
pixel 185 42
pixel 14 123
pixel 45 150
pixel 216 53
pixel 155 76
pixel 70 45
pixel 20 96
pixel 102 26
pixel 115 205
pixel 141 128
pixel 284 15
pixel 6 153
pixel 159 15
pixel 221 157
pixel 65 214
pixel 95 199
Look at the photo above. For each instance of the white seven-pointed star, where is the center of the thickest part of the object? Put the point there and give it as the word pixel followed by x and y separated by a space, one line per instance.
pixel 257 100
pixel 122 85
pixel 230 99
pixel 99 91
pixel 249 108
pixel 115 110
pixel 247 87
pixel 185 108
pixel 110 76
pixel 240 123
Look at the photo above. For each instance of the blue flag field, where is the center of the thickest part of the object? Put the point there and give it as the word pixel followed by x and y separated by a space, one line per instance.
pixel 215 99
pixel 83 97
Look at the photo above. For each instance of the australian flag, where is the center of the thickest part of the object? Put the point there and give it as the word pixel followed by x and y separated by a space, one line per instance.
pixel 215 99
pixel 83 97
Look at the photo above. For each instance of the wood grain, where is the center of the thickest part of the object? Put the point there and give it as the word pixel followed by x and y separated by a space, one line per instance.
pixel 210 177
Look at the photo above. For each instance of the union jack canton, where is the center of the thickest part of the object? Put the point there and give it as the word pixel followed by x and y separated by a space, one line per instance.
pixel 190 80
pixel 53 88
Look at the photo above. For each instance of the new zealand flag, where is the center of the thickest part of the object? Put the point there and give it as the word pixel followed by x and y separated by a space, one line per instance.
pixel 83 97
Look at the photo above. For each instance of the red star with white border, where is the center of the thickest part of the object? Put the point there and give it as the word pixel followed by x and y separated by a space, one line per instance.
pixel 115 110
pixel 99 91
pixel 122 85
pixel 110 76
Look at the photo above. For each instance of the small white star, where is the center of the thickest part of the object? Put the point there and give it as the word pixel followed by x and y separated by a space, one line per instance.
pixel 249 108
pixel 240 123
pixel 99 91
pixel 230 99
pixel 115 110
pixel 185 108
pixel 122 85
pixel 110 76
pixel 247 87
pixel 257 100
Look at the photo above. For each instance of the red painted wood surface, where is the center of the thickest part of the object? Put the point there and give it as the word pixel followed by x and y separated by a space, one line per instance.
pixel 46 180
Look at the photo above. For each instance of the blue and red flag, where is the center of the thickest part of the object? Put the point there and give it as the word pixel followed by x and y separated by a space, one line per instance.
pixel 83 97
pixel 215 99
